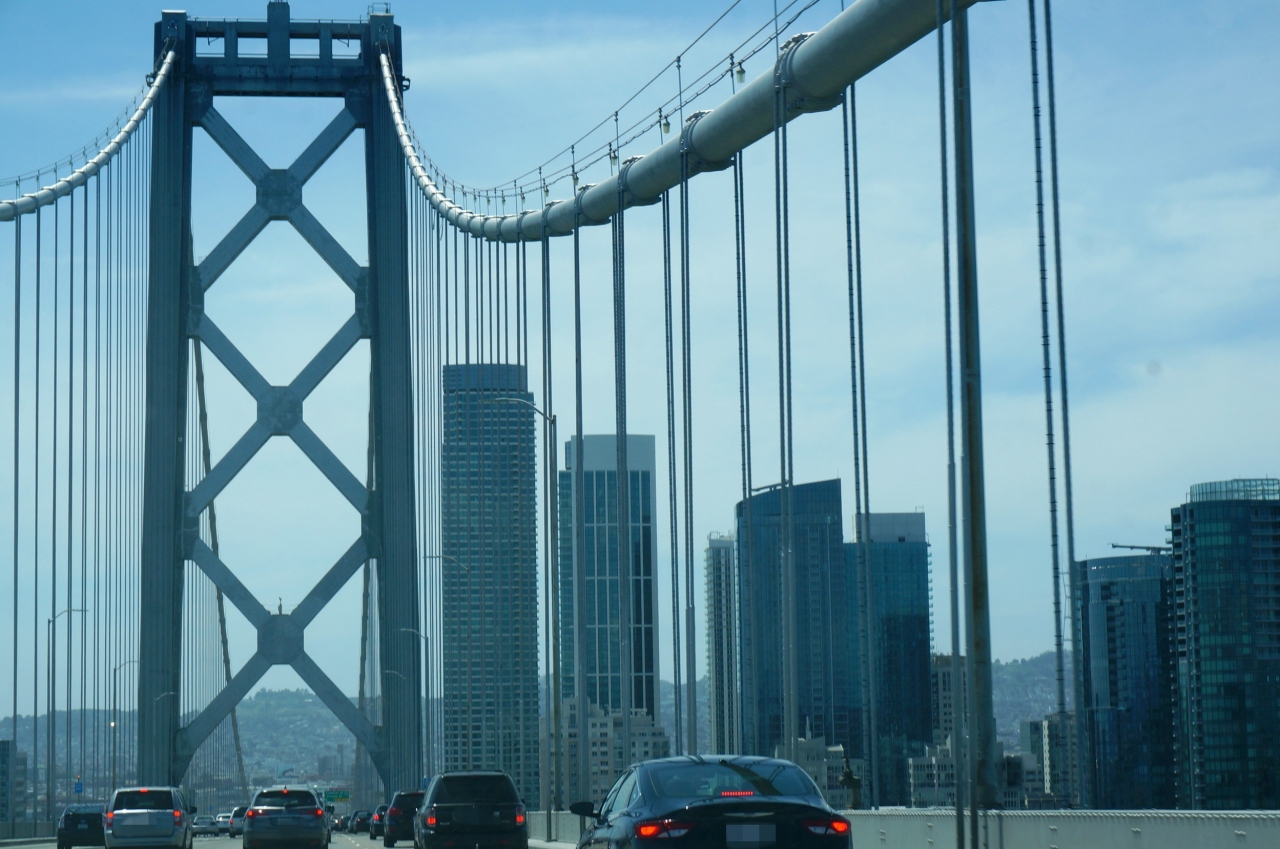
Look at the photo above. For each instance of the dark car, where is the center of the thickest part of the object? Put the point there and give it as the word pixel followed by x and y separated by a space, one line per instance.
pixel 291 816
pixel 471 808
pixel 359 821
pixel 397 822
pixel 710 801
pixel 340 824
pixel 375 821
pixel 81 825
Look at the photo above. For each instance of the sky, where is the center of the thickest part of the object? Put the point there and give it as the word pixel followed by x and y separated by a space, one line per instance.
pixel 1169 139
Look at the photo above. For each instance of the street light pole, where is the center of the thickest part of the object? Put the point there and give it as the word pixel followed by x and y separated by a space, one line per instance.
pixel 115 715
pixel 51 761
pixel 552 536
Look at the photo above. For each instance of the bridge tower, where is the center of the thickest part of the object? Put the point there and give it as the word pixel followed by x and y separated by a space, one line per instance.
pixel 172 506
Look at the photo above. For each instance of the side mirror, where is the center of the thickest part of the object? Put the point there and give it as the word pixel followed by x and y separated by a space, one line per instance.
pixel 584 809
pixel 193 809
pixel 328 809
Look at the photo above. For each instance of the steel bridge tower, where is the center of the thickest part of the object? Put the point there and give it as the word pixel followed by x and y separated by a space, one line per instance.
pixel 172 507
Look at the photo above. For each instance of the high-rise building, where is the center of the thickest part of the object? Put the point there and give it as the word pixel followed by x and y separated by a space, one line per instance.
pixel 1226 643
pixel 489 574
pixel 948 694
pixel 894 553
pixel 723 692
pixel 824 660
pixel 13 782
pixel 1053 747
pixel 1127 677
pixel 603 663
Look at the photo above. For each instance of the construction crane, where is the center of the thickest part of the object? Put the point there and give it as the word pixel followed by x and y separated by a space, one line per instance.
pixel 1149 549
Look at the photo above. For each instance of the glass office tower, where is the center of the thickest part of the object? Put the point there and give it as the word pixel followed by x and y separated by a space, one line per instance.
pixel 897 560
pixel 1226 640
pixel 825 612
pixel 489 574
pixel 600 503
pixel 1127 675
pixel 724 695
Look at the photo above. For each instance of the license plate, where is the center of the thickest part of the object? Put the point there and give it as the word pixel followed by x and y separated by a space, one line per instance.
pixel 83 825
pixel 751 836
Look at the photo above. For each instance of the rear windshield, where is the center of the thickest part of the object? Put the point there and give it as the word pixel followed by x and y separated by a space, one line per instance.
pixel 454 789
pixel 238 812
pixel 84 809
pixel 285 799
pixel 143 800
pixel 407 800
pixel 710 780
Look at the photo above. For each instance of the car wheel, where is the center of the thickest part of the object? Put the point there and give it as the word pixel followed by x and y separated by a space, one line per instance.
pixel 388 842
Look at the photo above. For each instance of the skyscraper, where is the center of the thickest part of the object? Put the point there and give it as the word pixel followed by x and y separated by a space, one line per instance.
pixel 1226 641
pixel 826 669
pixel 897 560
pixel 600 572
pixel 723 690
pixel 1126 670
pixel 489 577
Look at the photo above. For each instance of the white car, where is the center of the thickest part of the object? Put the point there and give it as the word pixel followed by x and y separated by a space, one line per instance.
pixel 147 817
pixel 224 823
pixel 204 827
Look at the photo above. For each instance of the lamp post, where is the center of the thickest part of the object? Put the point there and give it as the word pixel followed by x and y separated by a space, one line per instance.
pixel 51 762
pixel 115 715
pixel 552 554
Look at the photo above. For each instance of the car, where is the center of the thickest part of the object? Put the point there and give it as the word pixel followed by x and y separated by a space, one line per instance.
pixel 81 825
pixel 235 827
pixel 710 800
pixel 286 815
pixel 143 817
pixel 340 824
pixel 397 822
pixel 224 823
pixel 471 808
pixel 359 821
pixel 204 827
pixel 375 822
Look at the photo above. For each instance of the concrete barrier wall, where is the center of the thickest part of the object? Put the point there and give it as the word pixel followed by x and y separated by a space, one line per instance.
pixel 26 830
pixel 563 828
pixel 935 829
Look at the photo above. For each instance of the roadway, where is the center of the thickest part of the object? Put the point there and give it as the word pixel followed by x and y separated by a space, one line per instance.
pixel 340 841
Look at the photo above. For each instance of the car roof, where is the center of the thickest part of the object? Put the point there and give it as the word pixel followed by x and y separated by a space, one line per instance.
pixel 489 772
pixel 738 760
pixel 292 788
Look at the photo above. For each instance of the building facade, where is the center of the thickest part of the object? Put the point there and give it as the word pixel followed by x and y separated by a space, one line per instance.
pixel 1127 674
pixel 892 562
pixel 723 690
pixel 600 618
pixel 1226 643
pixel 948 695
pixel 13 782
pixel 489 574
pixel 826 669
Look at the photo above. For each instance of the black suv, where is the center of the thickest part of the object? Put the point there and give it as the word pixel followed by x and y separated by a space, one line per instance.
pixel 472 808
pixel 397 822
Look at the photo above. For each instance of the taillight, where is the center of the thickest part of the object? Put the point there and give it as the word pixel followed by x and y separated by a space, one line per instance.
pixel 835 825
pixel 431 819
pixel 655 829
pixel 519 814
pixel 111 815
pixel 249 813
pixel 319 812
pixel 177 815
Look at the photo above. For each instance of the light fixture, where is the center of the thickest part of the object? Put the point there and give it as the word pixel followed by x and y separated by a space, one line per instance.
pixel 740 73
pixel 613 156
pixel 575 179
pixel 666 123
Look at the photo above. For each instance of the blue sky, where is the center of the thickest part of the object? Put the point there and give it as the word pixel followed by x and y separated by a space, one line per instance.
pixel 1169 124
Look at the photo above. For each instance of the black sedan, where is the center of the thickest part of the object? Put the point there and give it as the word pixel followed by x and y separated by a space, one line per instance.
pixel 713 801
pixel 359 822
pixel 81 825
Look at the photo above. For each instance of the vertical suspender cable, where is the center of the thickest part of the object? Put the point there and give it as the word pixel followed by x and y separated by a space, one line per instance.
pixel 686 411
pixel 35 524
pixel 17 455
pixel 958 690
pixel 580 516
pixel 1082 727
pixel 746 547
pixel 676 645
pixel 627 547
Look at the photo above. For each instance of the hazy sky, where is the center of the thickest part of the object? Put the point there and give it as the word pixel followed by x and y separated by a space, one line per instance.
pixel 1169 121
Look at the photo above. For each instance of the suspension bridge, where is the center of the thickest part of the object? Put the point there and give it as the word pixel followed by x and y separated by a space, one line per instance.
pixel 121 594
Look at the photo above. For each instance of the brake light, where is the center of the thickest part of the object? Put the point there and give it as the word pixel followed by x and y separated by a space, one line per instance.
pixel 431 816
pixel 737 792
pixel 111 815
pixel 319 812
pixel 177 815
pixel 835 825
pixel 519 814
pixel 657 829
pixel 249 813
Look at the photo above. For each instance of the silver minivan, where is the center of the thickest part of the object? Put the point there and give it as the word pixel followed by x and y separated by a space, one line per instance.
pixel 143 817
